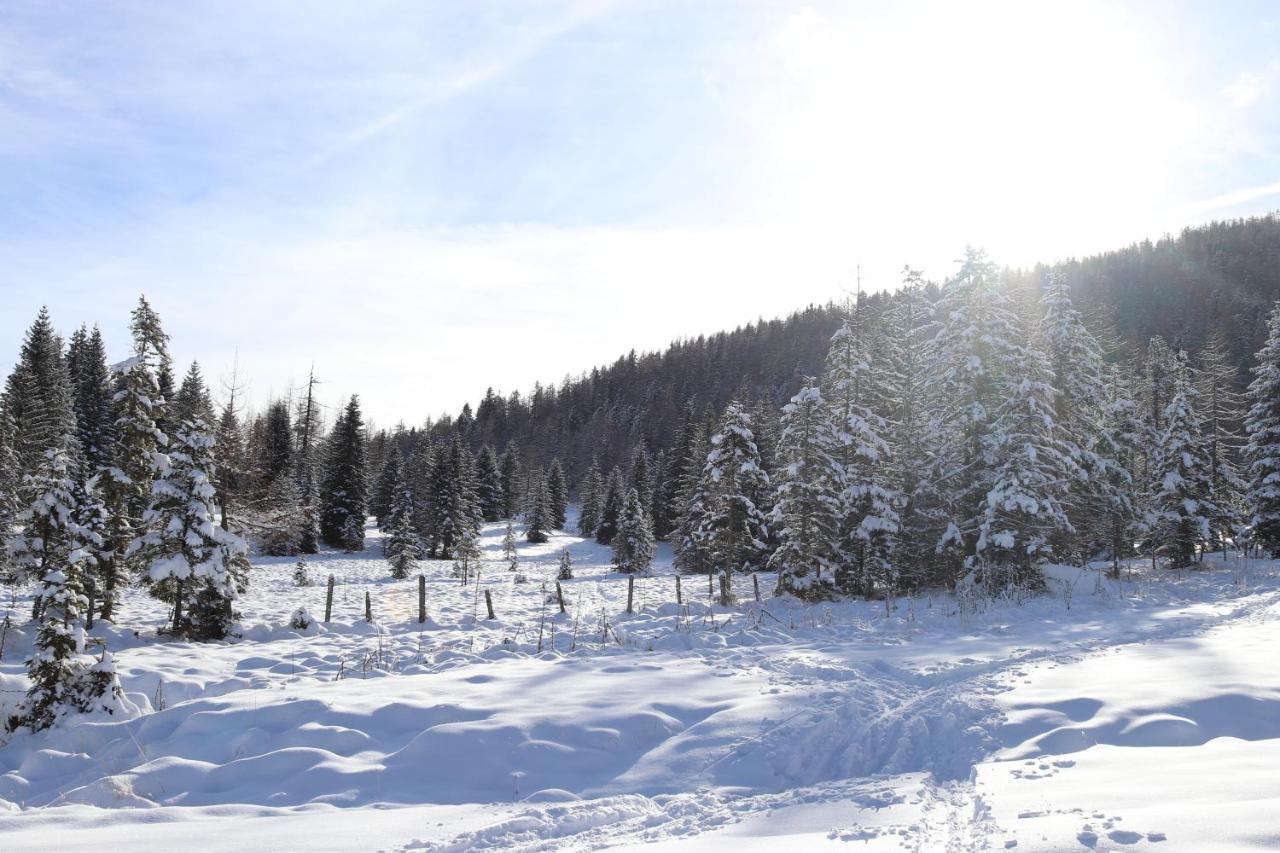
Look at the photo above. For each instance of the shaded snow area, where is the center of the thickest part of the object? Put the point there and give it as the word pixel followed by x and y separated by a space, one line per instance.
pixel 1142 714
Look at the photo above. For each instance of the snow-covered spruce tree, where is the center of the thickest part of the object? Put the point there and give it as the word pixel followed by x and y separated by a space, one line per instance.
pixel 384 487
pixel 690 540
pixel 271 443
pixel 1160 365
pixel 10 481
pixel 510 470
pixel 913 465
pixel 633 544
pixel 642 476
pixel 402 549
pixel 509 553
pixel 810 482
pixel 151 339
pixel 47 528
pixel 95 429
pixel 420 471
pixel 457 517
pixel 538 520
pixel 442 496
pixel 1262 425
pixel 611 507
pixel 557 494
pixel 65 679
pixel 489 485
pixel 38 399
pixel 661 462
pixel 188 555
pixel 1077 373
pixel 590 494
pixel 674 475
pixel 193 402
pixel 232 467
pixel 467 503
pixel 1182 508
pixel 466 559
pixel 92 527
pixel 868 521
pixel 91 387
pixel 1114 483
pixel 735 529
pixel 300 575
pixel 126 485
pixel 1029 469
pixel 343 492
pixel 306 431
pixel 972 363
pixel 1223 415
pixel 565 571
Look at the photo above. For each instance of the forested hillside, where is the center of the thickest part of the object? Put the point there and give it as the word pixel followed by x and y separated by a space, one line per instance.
pixel 1221 278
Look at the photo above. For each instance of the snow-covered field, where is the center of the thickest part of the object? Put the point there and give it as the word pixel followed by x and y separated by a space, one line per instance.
pixel 1134 715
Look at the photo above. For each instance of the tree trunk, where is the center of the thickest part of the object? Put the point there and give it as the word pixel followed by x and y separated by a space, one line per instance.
pixel 177 607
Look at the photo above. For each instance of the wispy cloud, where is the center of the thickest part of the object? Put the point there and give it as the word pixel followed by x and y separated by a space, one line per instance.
pixel 459 81
pixel 1225 201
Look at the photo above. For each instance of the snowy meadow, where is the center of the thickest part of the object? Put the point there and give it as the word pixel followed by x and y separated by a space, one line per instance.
pixel 1101 714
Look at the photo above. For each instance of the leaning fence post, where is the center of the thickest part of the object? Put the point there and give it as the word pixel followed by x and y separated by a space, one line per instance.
pixel 560 596
pixel 631 592
pixel 679 597
pixel 755 582
pixel 488 602
pixel 328 600
pixel 422 599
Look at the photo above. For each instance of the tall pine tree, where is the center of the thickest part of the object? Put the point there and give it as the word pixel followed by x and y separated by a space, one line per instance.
pixel 557 494
pixel 633 544
pixel 344 493
pixel 189 556
pixel 1263 450
pixel 735 528
pixel 810 483
pixel 1182 503
pixel 611 507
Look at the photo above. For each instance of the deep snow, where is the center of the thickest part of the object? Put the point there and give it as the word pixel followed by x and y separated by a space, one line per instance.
pixel 1102 714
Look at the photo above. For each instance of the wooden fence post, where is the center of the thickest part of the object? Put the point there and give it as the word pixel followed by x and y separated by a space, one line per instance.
pixel 328 601
pixel 755 582
pixel 560 596
pixel 631 592
pixel 679 597
pixel 422 599
pixel 488 602
pixel 368 607
pixel 724 589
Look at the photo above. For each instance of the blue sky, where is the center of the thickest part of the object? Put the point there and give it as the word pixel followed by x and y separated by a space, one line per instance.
pixel 424 199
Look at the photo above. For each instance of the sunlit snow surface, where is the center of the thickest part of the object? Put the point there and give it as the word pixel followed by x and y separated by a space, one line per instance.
pixel 1138 715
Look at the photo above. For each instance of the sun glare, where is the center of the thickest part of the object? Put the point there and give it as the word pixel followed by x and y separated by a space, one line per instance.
pixel 1028 130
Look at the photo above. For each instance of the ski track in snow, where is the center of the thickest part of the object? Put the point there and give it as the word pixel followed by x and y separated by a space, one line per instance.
pixel 672 725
